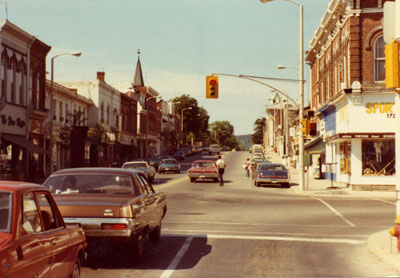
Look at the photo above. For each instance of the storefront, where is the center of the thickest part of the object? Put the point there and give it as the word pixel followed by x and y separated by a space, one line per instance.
pixel 360 141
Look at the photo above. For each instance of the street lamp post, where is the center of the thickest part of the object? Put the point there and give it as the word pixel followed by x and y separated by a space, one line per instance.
pixel 183 109
pixel 77 54
pixel 147 124
pixel 301 93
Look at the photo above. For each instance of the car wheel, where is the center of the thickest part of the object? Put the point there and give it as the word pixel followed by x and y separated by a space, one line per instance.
pixel 156 233
pixel 192 179
pixel 76 270
pixel 286 185
pixel 215 180
pixel 258 184
pixel 139 244
pixel 178 171
pixel 160 172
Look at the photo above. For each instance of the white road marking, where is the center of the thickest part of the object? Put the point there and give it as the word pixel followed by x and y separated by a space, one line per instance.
pixel 335 212
pixel 392 203
pixel 246 233
pixel 167 273
pixel 260 225
pixel 304 239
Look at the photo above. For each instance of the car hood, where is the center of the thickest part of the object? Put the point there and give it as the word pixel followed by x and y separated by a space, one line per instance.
pixel 90 205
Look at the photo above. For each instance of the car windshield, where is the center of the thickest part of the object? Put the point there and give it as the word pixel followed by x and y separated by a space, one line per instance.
pixel 135 165
pixel 5 211
pixel 90 184
pixel 203 164
pixel 169 161
pixel 272 167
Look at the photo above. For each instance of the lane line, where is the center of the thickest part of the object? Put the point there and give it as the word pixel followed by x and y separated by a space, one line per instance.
pixel 261 225
pixel 392 203
pixel 335 212
pixel 172 266
pixel 299 239
pixel 244 233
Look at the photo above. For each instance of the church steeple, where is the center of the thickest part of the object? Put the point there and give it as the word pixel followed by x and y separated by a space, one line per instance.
pixel 138 78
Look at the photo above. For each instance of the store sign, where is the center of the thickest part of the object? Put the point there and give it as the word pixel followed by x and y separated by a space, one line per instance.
pixel 361 136
pixel 382 108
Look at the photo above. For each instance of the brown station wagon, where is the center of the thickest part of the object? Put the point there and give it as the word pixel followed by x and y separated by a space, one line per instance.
pixel 34 240
pixel 111 204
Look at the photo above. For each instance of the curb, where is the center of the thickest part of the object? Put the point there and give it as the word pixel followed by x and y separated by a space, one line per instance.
pixel 384 246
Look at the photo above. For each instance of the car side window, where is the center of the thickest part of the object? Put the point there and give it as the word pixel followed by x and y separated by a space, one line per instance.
pixel 49 215
pixel 138 185
pixel 149 188
pixel 31 221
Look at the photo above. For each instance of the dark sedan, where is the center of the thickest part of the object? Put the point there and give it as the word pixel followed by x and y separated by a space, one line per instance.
pixel 271 173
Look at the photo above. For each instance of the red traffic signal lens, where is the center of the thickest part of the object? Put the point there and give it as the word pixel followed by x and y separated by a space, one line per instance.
pixel 212 82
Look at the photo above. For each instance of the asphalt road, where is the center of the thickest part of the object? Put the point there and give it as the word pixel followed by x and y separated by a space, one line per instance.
pixel 239 230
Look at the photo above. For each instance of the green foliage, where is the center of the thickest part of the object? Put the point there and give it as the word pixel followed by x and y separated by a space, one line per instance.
pixel 222 133
pixel 258 135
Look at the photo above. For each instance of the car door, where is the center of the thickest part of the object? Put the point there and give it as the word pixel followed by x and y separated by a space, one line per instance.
pixel 63 251
pixel 33 248
pixel 153 210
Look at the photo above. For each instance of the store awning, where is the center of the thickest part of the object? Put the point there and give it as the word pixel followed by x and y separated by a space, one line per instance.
pixel 316 146
pixel 23 142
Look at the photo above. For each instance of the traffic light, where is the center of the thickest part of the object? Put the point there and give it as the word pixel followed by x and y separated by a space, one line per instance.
pixel 392 65
pixel 304 127
pixel 212 86
pixel 312 128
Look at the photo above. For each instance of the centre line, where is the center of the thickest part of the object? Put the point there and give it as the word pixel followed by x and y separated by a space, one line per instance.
pixel 335 212
pixel 167 273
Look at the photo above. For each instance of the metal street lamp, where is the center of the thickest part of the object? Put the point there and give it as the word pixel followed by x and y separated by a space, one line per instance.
pixel 183 109
pixel 147 123
pixel 77 54
pixel 301 93
pixel 281 67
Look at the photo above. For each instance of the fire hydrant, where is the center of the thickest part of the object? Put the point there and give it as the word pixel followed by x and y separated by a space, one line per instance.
pixel 395 231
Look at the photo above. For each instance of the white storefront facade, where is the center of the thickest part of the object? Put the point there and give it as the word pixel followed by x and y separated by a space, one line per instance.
pixel 359 140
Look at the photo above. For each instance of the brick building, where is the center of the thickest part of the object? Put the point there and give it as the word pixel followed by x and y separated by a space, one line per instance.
pixel 348 95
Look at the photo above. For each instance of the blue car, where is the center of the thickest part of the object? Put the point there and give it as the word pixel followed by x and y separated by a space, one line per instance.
pixel 169 165
pixel 271 173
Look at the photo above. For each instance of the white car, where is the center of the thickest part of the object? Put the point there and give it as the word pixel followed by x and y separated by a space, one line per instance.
pixel 258 155
pixel 141 166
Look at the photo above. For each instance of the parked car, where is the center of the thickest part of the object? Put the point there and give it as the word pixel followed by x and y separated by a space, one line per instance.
pixel 113 205
pixel 214 149
pixel 258 155
pixel 141 166
pixel 179 155
pixel 203 169
pixel 35 241
pixel 271 173
pixel 253 165
pixel 155 162
pixel 169 165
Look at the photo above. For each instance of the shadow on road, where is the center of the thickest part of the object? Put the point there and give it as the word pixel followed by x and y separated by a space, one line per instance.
pixel 155 256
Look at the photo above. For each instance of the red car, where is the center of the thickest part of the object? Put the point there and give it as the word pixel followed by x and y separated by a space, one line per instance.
pixel 203 169
pixel 34 240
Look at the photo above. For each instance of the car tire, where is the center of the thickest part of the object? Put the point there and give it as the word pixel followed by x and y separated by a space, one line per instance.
pixel 286 185
pixel 258 184
pixel 139 244
pixel 160 172
pixel 76 270
pixel 192 179
pixel 155 235
pixel 178 171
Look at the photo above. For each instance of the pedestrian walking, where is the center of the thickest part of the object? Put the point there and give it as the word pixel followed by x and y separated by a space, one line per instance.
pixel 246 166
pixel 221 169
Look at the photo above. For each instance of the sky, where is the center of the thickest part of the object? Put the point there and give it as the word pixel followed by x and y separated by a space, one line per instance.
pixel 180 41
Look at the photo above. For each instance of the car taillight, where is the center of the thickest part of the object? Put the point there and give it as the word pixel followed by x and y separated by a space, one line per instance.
pixel 110 226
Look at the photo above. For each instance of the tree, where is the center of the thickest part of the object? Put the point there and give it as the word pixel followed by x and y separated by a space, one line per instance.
pixel 258 135
pixel 195 119
pixel 222 133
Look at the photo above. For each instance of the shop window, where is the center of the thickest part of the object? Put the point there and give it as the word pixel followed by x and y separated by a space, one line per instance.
pixel 378 158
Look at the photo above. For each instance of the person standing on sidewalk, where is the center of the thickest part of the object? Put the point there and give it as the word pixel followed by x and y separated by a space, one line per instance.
pixel 246 166
pixel 221 169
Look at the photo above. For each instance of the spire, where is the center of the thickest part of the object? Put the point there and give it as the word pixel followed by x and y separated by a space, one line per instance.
pixel 138 78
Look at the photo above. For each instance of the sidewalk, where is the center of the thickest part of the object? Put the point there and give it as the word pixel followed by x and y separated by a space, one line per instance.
pixel 381 244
